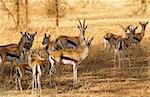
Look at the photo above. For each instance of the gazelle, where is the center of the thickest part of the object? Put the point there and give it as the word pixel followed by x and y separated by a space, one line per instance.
pixel 72 42
pixel 123 44
pixel 109 39
pixel 70 57
pixel 139 36
pixel 36 71
pixel 11 52
pixel 22 67
pixel 50 45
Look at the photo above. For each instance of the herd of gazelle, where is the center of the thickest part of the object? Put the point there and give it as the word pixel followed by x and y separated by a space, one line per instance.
pixel 65 50
pixel 123 43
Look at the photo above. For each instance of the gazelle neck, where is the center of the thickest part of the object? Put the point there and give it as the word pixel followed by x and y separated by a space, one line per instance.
pixel 81 38
pixel 30 60
pixel 21 44
pixel 143 30
pixel 84 53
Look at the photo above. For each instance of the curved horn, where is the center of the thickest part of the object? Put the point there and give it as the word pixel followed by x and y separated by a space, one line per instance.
pixel 84 23
pixel 80 22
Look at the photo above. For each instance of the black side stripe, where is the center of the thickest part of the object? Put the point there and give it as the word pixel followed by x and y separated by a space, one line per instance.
pixel 71 42
pixel 53 59
pixel 67 58
pixel 12 55
pixel 137 39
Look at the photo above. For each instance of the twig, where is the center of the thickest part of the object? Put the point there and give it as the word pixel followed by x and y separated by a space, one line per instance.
pixel 7 10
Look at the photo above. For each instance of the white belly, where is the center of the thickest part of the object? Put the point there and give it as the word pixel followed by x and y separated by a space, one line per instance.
pixel 67 61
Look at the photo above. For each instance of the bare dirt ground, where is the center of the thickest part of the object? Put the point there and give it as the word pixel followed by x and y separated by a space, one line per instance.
pixel 97 75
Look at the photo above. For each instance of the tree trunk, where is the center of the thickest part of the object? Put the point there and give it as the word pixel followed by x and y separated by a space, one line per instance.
pixel 57 13
pixel 26 14
pixel 17 11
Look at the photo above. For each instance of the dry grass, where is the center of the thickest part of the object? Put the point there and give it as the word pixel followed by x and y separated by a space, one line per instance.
pixel 97 77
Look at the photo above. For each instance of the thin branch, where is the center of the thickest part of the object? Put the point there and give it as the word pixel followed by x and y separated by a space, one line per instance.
pixel 7 10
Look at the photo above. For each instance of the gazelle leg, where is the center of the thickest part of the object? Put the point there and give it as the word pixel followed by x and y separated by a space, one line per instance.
pixel 20 87
pixel 11 70
pixel 52 65
pixel 129 58
pixel 118 55
pixel 2 68
pixel 138 49
pixel 109 50
pixel 35 80
pixel 51 69
pixel 123 53
pixel 74 73
pixel 33 83
pixel 48 66
pixel 39 82
pixel 17 84
pixel 105 51
pixel 115 52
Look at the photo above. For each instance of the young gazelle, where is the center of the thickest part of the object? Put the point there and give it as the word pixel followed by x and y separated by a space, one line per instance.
pixel 22 67
pixel 123 44
pixel 109 39
pixel 36 71
pixel 70 57
pixel 72 42
pixel 139 36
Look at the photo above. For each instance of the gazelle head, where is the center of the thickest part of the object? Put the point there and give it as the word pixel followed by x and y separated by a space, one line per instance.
pixel 88 41
pixel 31 36
pixel 31 54
pixel 132 30
pixel 82 27
pixel 28 44
pixel 39 56
pixel 24 35
pixel 45 39
pixel 24 39
pixel 143 25
pixel 125 29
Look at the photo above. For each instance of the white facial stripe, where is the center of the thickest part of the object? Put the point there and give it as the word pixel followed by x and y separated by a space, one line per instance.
pixel 28 36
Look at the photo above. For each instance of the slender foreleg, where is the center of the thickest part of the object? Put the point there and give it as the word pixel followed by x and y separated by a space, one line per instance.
pixel 74 73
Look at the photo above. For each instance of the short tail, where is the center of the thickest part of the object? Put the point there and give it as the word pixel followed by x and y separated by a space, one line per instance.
pixel 37 69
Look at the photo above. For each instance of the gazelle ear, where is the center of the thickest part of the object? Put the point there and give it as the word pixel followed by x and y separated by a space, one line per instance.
pixel 34 50
pixel 86 27
pixel 21 33
pixel 35 33
pixel 49 35
pixel 136 28
pixel 28 33
pixel 91 39
pixel 78 26
pixel 140 23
